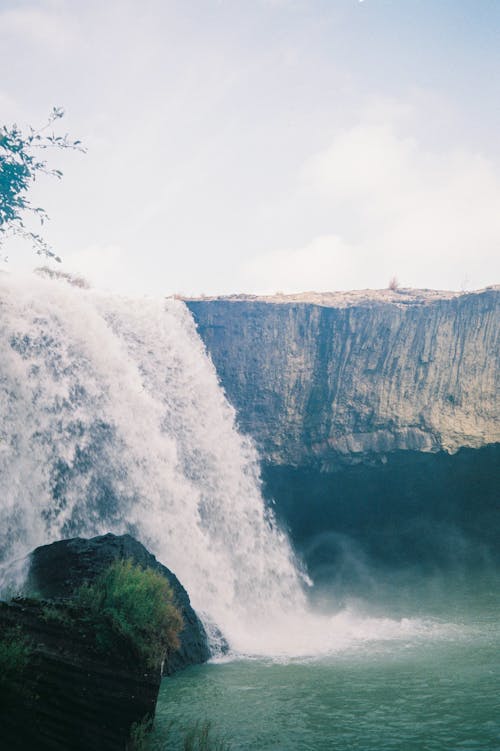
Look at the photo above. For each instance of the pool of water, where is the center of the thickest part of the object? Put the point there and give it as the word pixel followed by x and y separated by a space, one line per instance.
pixel 432 684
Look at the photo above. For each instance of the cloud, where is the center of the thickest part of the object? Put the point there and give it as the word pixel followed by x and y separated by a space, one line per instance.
pixel 47 26
pixel 323 264
pixel 394 207
pixel 104 266
pixel 7 102
pixel 282 3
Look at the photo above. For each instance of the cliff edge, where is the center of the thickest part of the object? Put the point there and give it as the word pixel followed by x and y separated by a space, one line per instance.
pixel 325 378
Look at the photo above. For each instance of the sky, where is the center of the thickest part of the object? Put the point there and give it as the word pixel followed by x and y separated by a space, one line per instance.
pixel 256 146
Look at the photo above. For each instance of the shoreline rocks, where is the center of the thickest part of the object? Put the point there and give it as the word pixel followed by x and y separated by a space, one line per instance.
pixel 57 569
pixel 60 689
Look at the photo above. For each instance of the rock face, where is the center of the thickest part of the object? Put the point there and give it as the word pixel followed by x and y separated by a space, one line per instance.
pixel 56 570
pixel 425 511
pixel 73 691
pixel 318 384
pixel 69 697
pixel 377 419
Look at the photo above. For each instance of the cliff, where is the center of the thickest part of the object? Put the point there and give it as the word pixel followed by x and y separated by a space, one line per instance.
pixel 376 416
pixel 68 695
pixel 322 379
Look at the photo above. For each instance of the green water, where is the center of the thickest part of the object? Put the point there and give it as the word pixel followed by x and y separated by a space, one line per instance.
pixel 433 685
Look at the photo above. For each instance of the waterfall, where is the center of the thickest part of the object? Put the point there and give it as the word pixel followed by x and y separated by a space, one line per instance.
pixel 113 420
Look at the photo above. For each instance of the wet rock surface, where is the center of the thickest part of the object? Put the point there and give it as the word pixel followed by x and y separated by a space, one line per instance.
pixel 421 511
pixel 67 692
pixel 70 696
pixel 56 570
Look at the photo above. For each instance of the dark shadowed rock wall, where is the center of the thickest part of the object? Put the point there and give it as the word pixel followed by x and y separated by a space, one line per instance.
pixel 429 512
pixel 70 696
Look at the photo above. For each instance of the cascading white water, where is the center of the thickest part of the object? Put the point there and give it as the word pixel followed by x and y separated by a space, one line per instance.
pixel 112 419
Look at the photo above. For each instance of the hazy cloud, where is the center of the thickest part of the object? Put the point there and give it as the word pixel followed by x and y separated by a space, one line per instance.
pixel 432 218
pixel 324 264
pixel 47 26
pixel 104 266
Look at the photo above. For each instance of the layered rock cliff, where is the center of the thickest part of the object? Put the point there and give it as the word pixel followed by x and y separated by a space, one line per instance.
pixel 68 695
pixel 320 379
pixel 377 419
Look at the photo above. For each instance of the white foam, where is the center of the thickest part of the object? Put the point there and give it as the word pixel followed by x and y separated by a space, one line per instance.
pixel 113 420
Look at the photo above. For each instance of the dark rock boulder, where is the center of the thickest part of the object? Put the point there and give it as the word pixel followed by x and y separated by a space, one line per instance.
pixel 58 569
pixel 66 682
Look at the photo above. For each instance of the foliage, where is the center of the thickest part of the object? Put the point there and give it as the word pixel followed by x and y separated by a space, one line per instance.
pixel 137 604
pixel 139 739
pixel 394 283
pixel 15 651
pixel 73 279
pixel 57 614
pixel 21 162
pixel 201 738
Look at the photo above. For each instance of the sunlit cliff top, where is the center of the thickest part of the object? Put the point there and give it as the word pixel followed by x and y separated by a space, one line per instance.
pixel 344 299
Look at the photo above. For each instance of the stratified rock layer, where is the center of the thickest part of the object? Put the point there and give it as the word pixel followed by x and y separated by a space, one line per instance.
pixel 358 376
pixel 377 419
pixel 70 696
pixel 77 693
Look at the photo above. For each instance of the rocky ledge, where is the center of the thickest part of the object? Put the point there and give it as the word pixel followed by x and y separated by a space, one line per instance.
pixel 61 687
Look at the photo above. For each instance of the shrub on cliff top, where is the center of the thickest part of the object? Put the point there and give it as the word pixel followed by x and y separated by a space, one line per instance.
pixel 138 605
